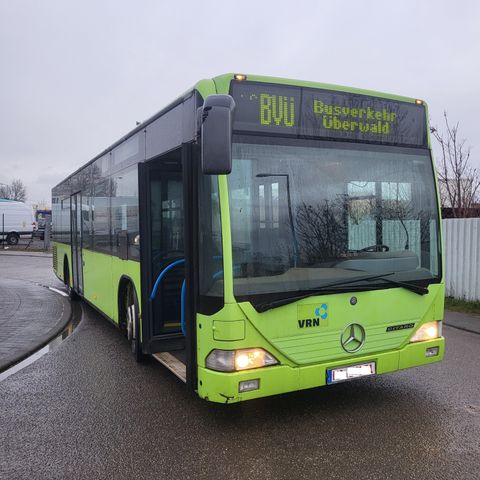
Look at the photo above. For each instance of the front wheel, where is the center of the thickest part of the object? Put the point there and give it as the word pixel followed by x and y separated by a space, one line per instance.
pixel 133 323
pixel 13 238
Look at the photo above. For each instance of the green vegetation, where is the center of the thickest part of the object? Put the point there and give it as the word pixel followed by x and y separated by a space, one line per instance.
pixel 462 305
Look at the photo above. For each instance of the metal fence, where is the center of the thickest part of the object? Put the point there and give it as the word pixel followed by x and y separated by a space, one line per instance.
pixel 461 239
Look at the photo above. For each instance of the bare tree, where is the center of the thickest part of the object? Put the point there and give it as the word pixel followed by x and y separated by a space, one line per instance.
pixel 459 181
pixel 321 230
pixel 18 190
pixel 4 190
pixel 15 191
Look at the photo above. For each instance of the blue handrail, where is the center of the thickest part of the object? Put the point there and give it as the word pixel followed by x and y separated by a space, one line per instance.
pixel 182 306
pixel 160 277
pixel 162 274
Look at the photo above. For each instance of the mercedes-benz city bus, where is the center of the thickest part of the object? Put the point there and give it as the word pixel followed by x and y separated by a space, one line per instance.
pixel 262 235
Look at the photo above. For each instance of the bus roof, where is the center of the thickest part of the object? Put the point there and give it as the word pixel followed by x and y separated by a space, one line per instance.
pixel 222 83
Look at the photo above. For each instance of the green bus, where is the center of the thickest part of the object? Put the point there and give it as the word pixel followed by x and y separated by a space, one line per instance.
pixel 262 235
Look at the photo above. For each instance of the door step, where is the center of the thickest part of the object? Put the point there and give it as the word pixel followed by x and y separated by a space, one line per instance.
pixel 173 364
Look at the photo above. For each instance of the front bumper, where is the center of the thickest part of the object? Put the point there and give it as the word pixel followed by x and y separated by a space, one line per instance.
pixel 223 387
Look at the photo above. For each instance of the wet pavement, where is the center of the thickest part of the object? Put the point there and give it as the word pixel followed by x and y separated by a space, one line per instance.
pixel 88 411
pixel 463 321
pixel 30 313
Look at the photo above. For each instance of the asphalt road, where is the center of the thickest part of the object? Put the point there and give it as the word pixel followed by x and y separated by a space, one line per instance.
pixel 30 314
pixel 86 410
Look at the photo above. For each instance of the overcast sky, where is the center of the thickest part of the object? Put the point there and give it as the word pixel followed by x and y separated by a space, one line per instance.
pixel 76 75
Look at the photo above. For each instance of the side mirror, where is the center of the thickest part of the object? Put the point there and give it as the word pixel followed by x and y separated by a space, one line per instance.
pixel 216 133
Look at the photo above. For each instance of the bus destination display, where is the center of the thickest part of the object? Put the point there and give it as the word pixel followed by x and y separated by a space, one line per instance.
pixel 327 114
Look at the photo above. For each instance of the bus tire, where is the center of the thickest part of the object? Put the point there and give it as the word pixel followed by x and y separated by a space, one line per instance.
pixel 13 238
pixel 133 322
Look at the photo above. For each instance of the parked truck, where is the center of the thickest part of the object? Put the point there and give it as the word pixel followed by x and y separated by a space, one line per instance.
pixel 16 221
pixel 42 217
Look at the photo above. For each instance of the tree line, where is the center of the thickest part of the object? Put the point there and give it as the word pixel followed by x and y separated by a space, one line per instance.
pixel 458 180
pixel 15 191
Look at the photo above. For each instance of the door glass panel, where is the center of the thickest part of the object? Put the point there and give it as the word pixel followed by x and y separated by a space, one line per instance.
pixel 166 196
pixel 77 264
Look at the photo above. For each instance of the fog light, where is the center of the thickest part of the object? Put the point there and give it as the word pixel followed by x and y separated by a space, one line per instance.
pixel 249 385
pixel 432 351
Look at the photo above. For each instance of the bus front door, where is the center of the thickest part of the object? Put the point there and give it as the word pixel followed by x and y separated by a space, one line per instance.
pixel 77 238
pixel 163 254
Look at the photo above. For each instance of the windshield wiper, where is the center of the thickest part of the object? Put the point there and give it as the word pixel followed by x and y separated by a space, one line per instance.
pixel 418 289
pixel 262 307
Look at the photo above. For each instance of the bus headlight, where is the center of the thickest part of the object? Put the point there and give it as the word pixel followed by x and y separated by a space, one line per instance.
pixel 236 360
pixel 428 331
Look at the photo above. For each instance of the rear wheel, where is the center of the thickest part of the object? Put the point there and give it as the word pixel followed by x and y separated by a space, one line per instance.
pixel 133 322
pixel 13 238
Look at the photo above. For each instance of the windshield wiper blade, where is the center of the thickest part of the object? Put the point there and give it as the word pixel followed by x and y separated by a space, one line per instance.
pixel 418 289
pixel 262 307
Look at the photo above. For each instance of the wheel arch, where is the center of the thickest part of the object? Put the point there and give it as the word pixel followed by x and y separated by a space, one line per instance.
pixel 66 269
pixel 123 284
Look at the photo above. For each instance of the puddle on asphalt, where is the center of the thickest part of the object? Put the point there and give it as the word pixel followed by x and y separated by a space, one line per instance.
pixel 473 409
pixel 67 331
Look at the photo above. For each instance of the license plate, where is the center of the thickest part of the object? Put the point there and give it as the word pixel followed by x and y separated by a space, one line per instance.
pixel 341 374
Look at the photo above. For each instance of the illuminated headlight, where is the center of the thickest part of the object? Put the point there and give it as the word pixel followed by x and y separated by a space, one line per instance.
pixel 236 360
pixel 428 331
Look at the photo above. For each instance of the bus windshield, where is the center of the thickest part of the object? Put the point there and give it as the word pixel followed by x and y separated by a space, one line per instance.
pixel 306 214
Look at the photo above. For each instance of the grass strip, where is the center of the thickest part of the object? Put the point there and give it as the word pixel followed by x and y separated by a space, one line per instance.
pixel 458 305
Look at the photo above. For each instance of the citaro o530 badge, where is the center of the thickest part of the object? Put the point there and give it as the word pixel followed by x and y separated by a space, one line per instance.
pixel 353 338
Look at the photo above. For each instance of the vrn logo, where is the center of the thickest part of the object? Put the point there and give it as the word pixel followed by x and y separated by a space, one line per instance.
pixel 320 315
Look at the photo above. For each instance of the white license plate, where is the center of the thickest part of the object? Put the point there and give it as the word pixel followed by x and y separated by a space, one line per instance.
pixel 341 374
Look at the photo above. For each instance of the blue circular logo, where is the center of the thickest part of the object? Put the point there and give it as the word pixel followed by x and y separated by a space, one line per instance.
pixel 322 311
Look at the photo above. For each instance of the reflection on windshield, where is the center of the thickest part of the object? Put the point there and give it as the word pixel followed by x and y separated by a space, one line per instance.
pixel 305 214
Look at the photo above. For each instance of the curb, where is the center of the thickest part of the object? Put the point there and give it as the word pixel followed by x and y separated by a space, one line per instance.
pixel 463 329
pixel 19 253
pixel 45 339
pixel 466 322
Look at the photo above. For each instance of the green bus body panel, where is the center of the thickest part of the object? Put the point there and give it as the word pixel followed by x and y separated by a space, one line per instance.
pixel 321 343
pixel 101 278
pixel 63 252
pixel 102 274
pixel 305 353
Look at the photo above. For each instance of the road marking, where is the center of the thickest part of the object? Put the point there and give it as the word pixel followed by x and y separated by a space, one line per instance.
pixel 24 363
pixel 65 294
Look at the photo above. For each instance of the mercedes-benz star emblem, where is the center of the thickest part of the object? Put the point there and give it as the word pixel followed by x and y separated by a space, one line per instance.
pixel 353 337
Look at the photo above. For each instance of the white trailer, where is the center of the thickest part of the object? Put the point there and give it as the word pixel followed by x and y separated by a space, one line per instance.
pixel 16 221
